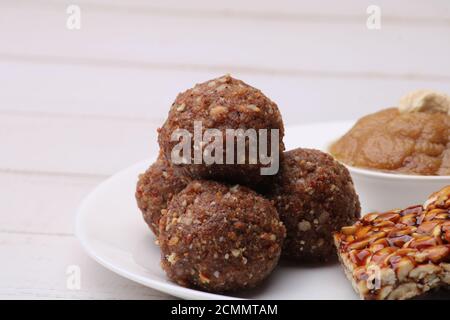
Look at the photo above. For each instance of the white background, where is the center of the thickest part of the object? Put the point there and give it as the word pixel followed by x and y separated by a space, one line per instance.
pixel 77 106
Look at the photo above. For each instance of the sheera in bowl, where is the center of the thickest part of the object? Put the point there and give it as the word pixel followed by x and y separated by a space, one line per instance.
pixel 398 156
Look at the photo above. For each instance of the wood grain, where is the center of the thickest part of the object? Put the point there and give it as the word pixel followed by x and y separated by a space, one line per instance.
pixel 73 145
pixel 35 266
pixel 143 96
pixel 77 106
pixel 285 45
pixel 408 10
pixel 41 204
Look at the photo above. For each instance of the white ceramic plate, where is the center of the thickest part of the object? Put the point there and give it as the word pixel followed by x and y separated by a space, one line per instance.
pixel 110 228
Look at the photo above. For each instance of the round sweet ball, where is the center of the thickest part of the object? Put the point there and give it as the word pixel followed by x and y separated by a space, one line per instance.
pixel 219 238
pixel 314 196
pixel 155 188
pixel 224 104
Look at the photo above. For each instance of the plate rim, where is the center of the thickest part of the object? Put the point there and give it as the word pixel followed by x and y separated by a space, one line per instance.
pixel 171 289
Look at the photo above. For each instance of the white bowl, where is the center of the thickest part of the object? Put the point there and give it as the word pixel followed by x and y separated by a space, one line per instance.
pixel 379 191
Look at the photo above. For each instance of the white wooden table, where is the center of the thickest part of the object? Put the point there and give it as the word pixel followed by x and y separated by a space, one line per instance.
pixel 78 105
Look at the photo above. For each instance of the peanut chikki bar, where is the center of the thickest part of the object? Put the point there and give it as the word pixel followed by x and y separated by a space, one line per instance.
pixel 399 254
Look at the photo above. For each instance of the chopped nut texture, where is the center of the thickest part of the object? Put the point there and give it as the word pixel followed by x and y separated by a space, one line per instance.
pixel 224 103
pixel 155 188
pixel 235 244
pixel 408 250
pixel 310 208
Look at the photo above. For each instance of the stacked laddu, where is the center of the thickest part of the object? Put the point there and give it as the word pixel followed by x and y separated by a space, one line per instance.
pixel 223 226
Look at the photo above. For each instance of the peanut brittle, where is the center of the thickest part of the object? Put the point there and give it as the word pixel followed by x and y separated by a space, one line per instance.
pixel 399 254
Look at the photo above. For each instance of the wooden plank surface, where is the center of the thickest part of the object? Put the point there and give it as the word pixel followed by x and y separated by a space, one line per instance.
pixel 89 146
pixel 77 106
pixel 428 13
pixel 35 267
pixel 286 46
pixel 144 95
pixel 47 202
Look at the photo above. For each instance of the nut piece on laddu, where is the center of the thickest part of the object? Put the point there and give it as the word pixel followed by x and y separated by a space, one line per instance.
pixel 399 254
